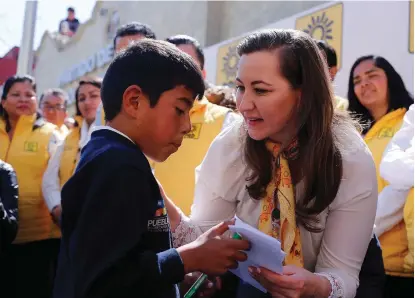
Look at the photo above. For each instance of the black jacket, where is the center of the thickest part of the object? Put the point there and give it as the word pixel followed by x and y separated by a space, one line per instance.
pixel 8 205
pixel 116 239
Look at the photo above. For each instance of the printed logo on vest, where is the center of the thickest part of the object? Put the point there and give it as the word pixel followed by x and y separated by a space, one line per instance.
pixel 195 132
pixel 386 132
pixel 160 222
pixel 31 146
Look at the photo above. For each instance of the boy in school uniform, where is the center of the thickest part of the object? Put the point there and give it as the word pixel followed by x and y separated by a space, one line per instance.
pixel 116 238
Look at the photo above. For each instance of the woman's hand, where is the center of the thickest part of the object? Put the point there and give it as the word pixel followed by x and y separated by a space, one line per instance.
pixel 294 282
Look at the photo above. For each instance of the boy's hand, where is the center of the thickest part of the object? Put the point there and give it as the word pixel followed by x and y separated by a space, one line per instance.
pixel 56 214
pixel 208 288
pixel 211 255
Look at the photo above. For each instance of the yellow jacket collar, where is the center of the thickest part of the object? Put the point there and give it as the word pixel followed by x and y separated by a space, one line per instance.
pixel 24 120
pixel 399 113
pixel 78 121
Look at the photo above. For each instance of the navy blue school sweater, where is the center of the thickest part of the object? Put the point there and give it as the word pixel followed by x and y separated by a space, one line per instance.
pixel 116 239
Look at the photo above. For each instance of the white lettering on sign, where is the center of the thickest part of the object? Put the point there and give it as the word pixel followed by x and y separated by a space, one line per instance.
pixel 98 60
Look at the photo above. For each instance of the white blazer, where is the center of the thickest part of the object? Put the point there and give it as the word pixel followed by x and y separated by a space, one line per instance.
pixel 338 251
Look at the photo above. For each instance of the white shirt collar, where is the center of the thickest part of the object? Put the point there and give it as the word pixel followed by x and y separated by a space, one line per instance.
pixel 96 128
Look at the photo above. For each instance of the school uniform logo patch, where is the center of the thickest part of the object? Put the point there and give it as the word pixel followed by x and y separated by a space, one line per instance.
pixel 160 221
pixel 195 132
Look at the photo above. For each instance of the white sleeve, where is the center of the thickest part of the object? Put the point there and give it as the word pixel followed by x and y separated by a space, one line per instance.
pixel 349 226
pixel 390 209
pixel 51 183
pixel 230 118
pixel 55 140
pixel 218 181
pixel 397 166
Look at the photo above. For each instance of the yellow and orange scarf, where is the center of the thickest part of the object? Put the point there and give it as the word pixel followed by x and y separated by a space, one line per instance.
pixel 277 217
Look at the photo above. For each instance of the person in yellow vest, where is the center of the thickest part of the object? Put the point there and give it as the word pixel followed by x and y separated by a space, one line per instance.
pixel 63 163
pixel 27 142
pixel 53 104
pixel 124 36
pixel 396 204
pixel 378 96
pixel 331 57
pixel 177 174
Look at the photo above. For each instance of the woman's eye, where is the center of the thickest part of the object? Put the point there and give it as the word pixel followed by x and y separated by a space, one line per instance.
pixel 260 91
pixel 240 88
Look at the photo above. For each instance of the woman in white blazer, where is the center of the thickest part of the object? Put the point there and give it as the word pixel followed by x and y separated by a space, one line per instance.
pixel 292 167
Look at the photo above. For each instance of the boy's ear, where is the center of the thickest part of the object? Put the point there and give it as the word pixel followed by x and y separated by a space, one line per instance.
pixel 132 100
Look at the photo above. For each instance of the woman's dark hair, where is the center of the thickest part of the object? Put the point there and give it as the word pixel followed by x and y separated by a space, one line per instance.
pixel 304 69
pixel 399 96
pixel 6 89
pixel 94 81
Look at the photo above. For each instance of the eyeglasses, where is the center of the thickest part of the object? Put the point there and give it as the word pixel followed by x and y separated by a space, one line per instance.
pixel 53 108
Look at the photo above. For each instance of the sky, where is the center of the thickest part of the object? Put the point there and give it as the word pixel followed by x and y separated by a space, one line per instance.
pixel 49 14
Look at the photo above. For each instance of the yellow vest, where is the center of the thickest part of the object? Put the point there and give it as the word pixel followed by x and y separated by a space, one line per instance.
pixel 177 173
pixel 408 216
pixel 28 154
pixel 394 242
pixel 70 154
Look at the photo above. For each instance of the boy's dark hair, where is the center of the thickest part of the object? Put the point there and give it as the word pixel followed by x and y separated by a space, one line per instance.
pixel 134 28
pixel 94 81
pixel 329 51
pixel 71 9
pixel 144 64
pixel 55 92
pixel 185 39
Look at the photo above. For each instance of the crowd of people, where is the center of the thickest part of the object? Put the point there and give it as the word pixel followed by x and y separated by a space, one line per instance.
pixel 133 195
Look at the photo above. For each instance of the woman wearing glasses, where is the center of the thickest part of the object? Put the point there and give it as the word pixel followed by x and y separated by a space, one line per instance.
pixel 63 163
pixel 53 104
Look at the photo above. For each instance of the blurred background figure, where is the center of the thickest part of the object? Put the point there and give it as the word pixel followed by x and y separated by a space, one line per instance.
pixel 70 25
pixel 53 104
pixel 63 163
pixel 378 97
pixel 27 142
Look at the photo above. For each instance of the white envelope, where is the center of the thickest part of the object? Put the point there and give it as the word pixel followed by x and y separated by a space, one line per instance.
pixel 265 252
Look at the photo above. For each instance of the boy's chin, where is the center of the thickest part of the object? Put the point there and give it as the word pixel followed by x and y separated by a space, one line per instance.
pixel 163 155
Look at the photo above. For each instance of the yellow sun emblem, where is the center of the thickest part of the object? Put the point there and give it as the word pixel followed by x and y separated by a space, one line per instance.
pixel 321 27
pixel 230 65
pixel 227 63
pixel 325 24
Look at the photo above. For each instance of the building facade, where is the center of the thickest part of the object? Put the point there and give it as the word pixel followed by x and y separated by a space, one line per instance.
pixel 61 63
pixel 352 28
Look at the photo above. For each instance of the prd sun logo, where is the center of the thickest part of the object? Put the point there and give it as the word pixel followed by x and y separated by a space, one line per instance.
pixel 230 64
pixel 227 63
pixel 320 27
pixel 325 24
